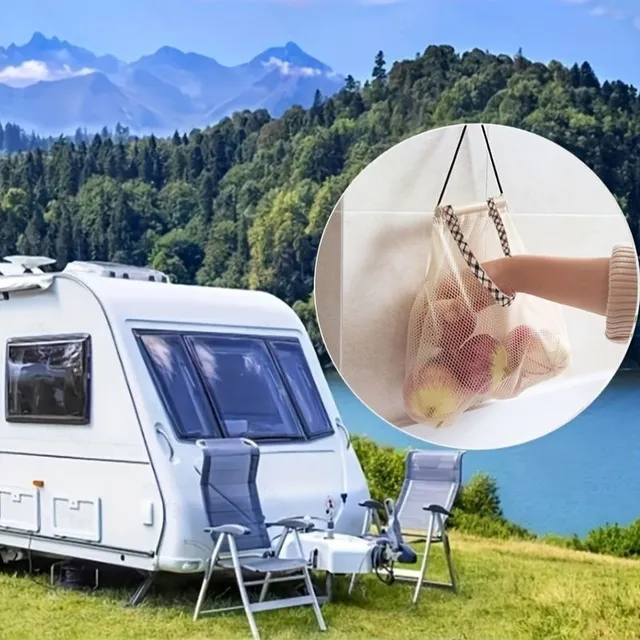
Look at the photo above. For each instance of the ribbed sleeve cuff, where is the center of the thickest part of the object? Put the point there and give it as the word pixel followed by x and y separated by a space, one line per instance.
pixel 622 303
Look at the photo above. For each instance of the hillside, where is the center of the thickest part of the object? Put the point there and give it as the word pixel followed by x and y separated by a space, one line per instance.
pixel 53 86
pixel 244 203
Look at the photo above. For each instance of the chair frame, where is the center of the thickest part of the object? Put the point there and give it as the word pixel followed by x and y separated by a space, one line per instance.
pixel 242 560
pixel 436 516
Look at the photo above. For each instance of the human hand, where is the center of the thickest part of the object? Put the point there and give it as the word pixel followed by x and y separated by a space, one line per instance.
pixel 501 274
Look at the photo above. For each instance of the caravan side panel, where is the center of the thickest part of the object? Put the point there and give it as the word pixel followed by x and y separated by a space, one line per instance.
pixel 74 487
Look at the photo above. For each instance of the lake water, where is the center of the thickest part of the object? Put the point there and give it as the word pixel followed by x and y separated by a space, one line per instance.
pixel 581 476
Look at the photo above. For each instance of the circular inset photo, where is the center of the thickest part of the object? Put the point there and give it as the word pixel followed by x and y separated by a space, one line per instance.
pixel 477 286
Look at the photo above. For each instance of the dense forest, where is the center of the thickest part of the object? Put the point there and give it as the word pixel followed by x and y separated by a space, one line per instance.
pixel 14 139
pixel 244 203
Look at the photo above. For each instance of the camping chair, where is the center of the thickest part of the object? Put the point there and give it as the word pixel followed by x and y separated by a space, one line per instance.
pixel 238 527
pixel 431 483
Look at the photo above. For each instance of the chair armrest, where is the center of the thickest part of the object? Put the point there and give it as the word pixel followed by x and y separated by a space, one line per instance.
pixel 231 529
pixel 435 508
pixel 371 504
pixel 297 524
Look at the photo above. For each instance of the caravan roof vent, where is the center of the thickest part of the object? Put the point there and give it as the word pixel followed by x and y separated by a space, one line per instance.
pixel 17 265
pixel 114 270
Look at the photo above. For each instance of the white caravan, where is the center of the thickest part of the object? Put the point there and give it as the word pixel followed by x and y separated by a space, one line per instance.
pixel 111 376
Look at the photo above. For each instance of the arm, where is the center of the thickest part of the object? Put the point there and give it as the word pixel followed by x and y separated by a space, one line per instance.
pixel 371 504
pixel 574 282
pixel 299 524
pixel 435 508
pixel 231 529
pixel 606 286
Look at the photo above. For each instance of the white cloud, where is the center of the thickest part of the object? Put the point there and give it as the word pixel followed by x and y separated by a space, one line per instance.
pixel 32 71
pixel 602 11
pixel 287 69
pixel 605 10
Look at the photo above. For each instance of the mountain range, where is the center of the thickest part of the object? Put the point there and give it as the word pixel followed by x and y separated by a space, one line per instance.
pixel 53 87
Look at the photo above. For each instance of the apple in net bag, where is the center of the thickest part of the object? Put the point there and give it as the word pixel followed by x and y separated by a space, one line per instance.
pixel 469 342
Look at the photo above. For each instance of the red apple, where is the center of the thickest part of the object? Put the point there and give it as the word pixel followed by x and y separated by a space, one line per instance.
pixel 481 364
pixel 453 321
pixel 430 394
pixel 419 316
pixel 422 336
pixel 448 286
pixel 518 342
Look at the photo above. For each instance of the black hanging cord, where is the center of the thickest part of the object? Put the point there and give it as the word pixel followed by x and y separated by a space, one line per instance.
pixel 493 162
pixel 455 158
pixel 453 164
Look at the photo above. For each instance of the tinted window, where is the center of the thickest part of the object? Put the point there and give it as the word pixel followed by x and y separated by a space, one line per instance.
pixel 180 386
pixel 303 388
pixel 249 393
pixel 48 381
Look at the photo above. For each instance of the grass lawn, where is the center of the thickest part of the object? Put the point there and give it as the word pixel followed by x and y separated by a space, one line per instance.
pixel 508 591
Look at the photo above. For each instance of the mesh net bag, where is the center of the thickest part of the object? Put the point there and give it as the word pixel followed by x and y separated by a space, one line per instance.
pixel 468 342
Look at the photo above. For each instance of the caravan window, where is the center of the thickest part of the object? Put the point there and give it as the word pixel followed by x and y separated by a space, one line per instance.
pixel 246 387
pixel 303 388
pixel 215 385
pixel 179 385
pixel 48 380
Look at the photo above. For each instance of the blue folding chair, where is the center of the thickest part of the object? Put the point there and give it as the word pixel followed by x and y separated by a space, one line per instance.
pixel 431 483
pixel 240 533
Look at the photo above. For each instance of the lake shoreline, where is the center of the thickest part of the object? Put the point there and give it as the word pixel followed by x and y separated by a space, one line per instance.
pixel 566 482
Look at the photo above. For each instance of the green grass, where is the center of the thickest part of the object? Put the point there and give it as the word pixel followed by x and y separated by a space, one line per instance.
pixel 508 590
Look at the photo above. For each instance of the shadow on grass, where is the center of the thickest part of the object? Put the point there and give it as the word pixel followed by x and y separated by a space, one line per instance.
pixel 179 592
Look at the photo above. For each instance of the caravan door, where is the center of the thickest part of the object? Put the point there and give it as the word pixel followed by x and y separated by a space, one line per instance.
pixel 261 387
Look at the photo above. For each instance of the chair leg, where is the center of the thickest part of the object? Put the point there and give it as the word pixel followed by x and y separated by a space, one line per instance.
pixel 314 597
pixel 352 583
pixel 267 577
pixel 449 557
pixel 425 559
pixel 265 587
pixel 207 575
pixel 368 521
pixel 244 596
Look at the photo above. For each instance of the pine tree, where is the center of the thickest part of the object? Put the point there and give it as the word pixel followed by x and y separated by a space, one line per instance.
pixel 196 163
pixel 63 244
pixel 350 84
pixel 316 112
pixel 119 234
pixel 148 165
pixel 207 187
pixel 379 69
pixel 379 74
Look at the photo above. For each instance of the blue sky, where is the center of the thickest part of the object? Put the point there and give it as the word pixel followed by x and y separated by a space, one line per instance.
pixel 345 34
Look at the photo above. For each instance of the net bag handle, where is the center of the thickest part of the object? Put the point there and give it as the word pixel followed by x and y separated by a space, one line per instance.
pixel 450 218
